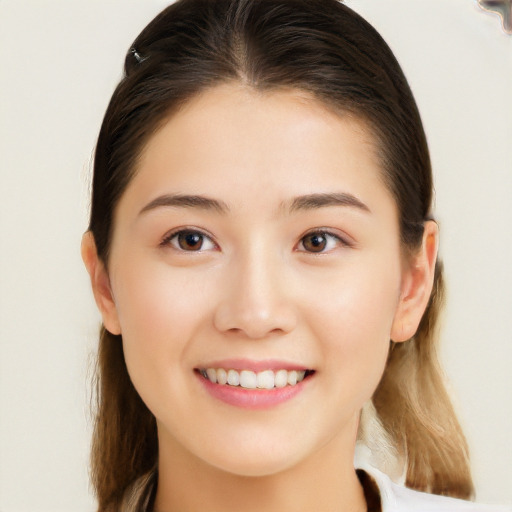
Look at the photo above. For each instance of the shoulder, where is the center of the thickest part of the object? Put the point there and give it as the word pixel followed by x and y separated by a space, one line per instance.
pixel 397 498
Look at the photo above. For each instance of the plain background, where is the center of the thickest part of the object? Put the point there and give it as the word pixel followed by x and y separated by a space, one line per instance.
pixel 59 62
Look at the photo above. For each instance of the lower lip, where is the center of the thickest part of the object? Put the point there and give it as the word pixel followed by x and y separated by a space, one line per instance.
pixel 252 398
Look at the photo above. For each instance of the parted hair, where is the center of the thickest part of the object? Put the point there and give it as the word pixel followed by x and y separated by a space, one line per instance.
pixel 330 52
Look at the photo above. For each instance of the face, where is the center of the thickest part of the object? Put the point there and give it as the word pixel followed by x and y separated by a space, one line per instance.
pixel 256 243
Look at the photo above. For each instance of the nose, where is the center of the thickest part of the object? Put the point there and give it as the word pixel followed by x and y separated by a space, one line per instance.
pixel 256 302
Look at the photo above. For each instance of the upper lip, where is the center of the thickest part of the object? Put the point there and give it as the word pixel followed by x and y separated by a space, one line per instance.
pixel 255 366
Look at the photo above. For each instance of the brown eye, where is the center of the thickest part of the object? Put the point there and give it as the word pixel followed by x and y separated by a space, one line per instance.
pixel 190 241
pixel 315 242
pixel 320 241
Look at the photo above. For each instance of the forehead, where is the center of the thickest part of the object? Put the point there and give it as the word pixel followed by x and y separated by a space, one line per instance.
pixel 233 141
pixel 240 110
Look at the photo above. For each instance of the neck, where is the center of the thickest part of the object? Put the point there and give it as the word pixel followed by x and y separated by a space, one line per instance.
pixel 325 481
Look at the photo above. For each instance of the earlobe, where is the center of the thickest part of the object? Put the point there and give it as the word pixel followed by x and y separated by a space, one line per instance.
pixel 100 283
pixel 416 286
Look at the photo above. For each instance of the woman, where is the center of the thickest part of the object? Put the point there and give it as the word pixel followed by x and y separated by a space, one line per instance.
pixel 263 253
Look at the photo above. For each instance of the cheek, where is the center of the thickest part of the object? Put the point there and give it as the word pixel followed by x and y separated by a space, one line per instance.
pixel 159 310
pixel 353 316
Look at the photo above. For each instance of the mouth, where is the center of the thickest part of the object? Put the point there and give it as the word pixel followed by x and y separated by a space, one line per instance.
pixel 249 379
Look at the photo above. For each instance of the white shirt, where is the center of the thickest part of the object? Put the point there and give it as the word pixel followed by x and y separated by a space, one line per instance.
pixel 397 498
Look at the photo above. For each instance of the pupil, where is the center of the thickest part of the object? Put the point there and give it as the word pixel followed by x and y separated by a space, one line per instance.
pixel 190 241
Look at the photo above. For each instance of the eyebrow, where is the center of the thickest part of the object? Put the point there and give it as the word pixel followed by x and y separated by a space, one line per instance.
pixel 186 201
pixel 314 201
pixel 300 203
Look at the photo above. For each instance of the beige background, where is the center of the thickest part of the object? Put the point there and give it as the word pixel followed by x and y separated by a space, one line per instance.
pixel 59 62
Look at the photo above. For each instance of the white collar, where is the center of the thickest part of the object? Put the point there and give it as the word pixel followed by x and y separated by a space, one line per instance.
pixel 398 498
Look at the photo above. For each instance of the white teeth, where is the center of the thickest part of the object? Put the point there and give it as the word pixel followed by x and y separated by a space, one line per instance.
pixel 233 378
pixel 248 379
pixel 212 374
pixel 266 379
pixel 222 376
pixel 292 378
pixel 281 379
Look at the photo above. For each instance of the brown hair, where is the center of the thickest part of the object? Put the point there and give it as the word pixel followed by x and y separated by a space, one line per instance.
pixel 325 49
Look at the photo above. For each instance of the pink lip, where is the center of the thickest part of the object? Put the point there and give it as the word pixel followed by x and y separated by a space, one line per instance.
pixel 255 366
pixel 253 399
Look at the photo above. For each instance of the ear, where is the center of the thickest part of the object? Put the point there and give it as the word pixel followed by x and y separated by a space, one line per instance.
pixel 416 286
pixel 100 283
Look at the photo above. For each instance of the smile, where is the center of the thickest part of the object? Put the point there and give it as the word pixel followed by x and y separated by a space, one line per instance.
pixel 248 379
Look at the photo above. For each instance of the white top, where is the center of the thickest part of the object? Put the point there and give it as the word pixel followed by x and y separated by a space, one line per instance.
pixel 397 498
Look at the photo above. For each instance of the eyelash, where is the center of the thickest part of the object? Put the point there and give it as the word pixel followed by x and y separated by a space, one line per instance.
pixel 326 234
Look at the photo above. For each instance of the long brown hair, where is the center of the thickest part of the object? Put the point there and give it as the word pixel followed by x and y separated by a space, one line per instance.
pixel 323 48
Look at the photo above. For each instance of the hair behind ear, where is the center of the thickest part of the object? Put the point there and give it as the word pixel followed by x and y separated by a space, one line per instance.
pixel 414 407
pixel 125 443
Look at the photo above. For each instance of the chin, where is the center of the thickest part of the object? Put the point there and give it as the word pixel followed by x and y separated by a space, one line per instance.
pixel 256 468
pixel 260 461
